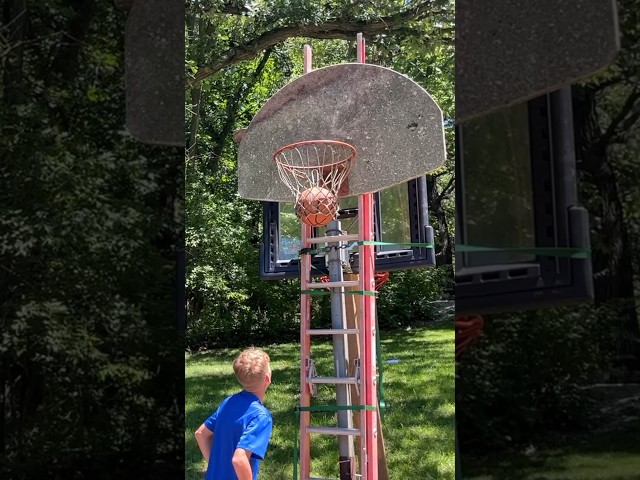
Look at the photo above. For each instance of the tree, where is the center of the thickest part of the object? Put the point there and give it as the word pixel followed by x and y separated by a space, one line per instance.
pixel 239 54
pixel 607 114
pixel 90 358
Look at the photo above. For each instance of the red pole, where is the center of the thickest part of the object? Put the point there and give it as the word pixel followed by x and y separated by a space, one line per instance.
pixel 367 255
pixel 305 324
pixel 305 355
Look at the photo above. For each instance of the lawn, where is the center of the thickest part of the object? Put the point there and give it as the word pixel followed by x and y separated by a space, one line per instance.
pixel 418 422
pixel 615 456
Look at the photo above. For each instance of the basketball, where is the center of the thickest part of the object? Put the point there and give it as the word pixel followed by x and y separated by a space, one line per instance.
pixel 316 206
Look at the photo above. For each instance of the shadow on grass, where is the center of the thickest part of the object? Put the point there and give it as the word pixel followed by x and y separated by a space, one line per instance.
pixel 418 423
pixel 614 456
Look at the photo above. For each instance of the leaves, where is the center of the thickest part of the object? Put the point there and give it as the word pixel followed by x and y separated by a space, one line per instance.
pixel 227 301
pixel 87 231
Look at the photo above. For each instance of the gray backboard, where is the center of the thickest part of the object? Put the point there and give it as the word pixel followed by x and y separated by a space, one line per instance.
pixel 154 59
pixel 394 124
pixel 511 51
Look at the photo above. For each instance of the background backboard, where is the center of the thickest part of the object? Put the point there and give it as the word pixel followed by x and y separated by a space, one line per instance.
pixel 394 124
pixel 510 52
pixel 155 71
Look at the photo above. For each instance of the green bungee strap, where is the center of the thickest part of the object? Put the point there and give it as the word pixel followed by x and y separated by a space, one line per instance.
pixel 317 251
pixel 370 293
pixel 570 252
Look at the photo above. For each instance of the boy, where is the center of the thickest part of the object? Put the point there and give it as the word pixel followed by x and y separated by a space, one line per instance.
pixel 234 439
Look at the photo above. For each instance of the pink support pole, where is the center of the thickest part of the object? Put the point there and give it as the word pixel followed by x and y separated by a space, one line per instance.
pixel 369 393
pixel 360 48
pixel 305 355
pixel 306 55
pixel 305 324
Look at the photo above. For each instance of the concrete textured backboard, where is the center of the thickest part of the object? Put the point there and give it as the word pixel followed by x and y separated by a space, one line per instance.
pixel 154 60
pixel 508 52
pixel 394 124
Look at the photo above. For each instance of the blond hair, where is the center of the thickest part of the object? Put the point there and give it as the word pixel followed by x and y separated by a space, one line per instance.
pixel 250 367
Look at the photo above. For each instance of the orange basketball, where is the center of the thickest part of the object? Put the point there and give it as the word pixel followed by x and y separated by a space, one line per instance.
pixel 316 206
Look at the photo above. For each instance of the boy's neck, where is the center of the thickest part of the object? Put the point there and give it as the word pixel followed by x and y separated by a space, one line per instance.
pixel 258 393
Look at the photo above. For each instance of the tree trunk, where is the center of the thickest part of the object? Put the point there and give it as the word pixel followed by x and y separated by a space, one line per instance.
pixel 445 257
pixel 611 254
pixel 196 95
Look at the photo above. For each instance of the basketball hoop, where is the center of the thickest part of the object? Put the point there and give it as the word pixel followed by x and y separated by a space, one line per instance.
pixel 315 171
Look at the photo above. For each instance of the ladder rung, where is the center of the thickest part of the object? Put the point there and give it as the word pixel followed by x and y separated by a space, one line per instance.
pixel 334 380
pixel 322 478
pixel 334 431
pixel 334 239
pixel 346 283
pixel 332 331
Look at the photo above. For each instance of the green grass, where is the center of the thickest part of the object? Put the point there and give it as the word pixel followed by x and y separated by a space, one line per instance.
pixel 418 423
pixel 615 456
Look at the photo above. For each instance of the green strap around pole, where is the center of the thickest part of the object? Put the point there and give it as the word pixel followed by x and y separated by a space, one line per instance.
pixel 320 408
pixel 316 251
pixel 410 244
pixel 371 293
pixel 570 252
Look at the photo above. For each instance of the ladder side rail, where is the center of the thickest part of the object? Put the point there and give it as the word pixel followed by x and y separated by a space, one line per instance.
pixel 305 356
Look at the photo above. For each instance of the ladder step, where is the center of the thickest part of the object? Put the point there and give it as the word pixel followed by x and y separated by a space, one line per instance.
pixel 334 239
pixel 334 431
pixel 332 331
pixel 334 380
pixel 346 283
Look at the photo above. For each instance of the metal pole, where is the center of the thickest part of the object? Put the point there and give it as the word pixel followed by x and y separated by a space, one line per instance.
pixel 340 354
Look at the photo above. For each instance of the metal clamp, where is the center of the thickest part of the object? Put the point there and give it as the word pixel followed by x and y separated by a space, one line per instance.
pixel 311 374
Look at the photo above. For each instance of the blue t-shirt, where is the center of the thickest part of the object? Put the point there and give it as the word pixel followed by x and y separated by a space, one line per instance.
pixel 241 421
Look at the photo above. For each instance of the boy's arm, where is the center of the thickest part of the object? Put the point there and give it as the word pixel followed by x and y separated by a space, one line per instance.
pixel 241 464
pixel 204 437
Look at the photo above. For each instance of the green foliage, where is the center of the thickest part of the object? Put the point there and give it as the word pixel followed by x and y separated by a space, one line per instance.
pixel 88 346
pixel 227 302
pixel 408 298
pixel 419 395
pixel 522 376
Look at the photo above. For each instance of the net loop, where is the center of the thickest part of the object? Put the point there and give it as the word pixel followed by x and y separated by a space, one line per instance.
pixel 315 163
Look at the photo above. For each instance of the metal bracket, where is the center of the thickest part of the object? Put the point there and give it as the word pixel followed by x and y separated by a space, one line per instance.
pixel 311 373
pixel 356 373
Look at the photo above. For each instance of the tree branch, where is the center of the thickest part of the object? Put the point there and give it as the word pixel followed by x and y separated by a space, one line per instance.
pixel 628 123
pixel 445 191
pixel 332 29
pixel 621 119
pixel 232 108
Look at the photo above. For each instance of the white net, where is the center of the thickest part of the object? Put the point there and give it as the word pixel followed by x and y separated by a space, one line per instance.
pixel 315 171
pixel 317 163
